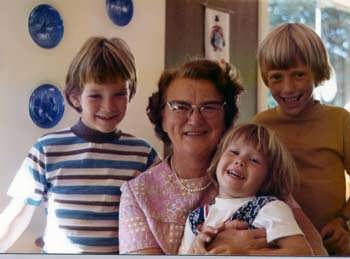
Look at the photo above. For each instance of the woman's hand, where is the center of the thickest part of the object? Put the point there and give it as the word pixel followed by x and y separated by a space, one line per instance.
pixel 336 237
pixel 204 237
pixel 236 239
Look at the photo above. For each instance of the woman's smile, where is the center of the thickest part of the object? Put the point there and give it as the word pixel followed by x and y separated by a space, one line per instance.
pixel 194 134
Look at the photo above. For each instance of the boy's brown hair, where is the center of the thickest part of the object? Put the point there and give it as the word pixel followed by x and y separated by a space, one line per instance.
pixel 289 41
pixel 282 173
pixel 102 61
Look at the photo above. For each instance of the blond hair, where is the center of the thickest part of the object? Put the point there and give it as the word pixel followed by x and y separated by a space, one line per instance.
pixel 282 172
pixel 101 61
pixel 291 41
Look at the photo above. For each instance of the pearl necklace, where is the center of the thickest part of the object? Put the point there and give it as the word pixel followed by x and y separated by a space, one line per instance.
pixel 181 181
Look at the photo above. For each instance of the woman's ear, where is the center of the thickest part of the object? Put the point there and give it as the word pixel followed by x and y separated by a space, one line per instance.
pixel 164 122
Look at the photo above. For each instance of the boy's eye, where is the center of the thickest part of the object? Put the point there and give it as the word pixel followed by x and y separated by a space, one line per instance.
pixel 275 78
pixel 299 75
pixel 121 94
pixel 94 96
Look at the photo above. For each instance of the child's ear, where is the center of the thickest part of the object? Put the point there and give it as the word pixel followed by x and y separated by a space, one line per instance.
pixel 74 98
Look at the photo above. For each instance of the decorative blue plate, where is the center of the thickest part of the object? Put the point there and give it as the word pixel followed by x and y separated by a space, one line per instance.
pixel 45 26
pixel 46 106
pixel 120 11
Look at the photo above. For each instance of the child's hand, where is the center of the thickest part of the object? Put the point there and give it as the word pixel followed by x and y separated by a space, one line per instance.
pixel 236 224
pixel 205 236
pixel 336 237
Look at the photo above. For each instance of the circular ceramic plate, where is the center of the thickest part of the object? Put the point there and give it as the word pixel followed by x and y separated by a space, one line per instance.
pixel 46 106
pixel 45 26
pixel 120 11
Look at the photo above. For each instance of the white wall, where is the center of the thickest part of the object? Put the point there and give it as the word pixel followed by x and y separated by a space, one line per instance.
pixel 262 90
pixel 24 66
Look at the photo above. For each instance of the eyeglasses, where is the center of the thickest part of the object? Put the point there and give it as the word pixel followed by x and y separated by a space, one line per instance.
pixel 207 110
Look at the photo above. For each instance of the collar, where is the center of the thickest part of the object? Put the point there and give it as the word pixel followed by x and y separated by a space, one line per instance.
pixel 222 203
pixel 311 113
pixel 95 136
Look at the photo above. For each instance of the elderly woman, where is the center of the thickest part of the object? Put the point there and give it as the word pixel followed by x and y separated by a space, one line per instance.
pixel 193 107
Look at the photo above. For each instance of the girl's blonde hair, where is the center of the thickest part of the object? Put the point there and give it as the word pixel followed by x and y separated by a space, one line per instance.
pixel 289 41
pixel 101 60
pixel 282 172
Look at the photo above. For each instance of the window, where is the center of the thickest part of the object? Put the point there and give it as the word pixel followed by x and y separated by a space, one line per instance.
pixel 331 20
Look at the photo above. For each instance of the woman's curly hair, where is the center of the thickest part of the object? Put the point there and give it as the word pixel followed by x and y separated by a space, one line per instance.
pixel 224 76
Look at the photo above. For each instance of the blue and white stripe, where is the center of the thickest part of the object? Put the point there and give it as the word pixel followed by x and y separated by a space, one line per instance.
pixel 79 181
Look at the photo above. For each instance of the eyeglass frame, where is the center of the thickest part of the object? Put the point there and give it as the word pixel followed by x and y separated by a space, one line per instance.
pixel 192 107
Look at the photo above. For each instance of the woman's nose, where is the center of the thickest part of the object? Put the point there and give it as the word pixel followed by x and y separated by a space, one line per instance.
pixel 195 116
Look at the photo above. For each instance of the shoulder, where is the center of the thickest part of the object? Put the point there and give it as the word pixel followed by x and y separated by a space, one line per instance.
pixel 131 140
pixel 276 208
pixel 333 108
pixel 337 117
pixel 150 191
pixel 150 177
pixel 278 220
pixel 254 206
pixel 59 137
pixel 139 146
pixel 336 111
pixel 264 116
pixel 57 134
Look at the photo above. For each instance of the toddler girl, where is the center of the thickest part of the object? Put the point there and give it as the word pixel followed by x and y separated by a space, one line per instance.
pixel 254 173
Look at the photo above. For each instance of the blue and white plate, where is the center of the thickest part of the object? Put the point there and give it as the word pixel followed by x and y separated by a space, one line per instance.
pixel 120 11
pixel 45 26
pixel 46 106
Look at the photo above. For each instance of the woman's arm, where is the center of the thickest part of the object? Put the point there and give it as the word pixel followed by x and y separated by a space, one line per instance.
pixel 148 251
pixel 292 245
pixel 196 244
pixel 135 236
pixel 311 234
pixel 236 239
pixel 14 220
pixel 336 237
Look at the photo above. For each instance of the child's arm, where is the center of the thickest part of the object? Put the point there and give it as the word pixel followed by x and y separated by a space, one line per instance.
pixel 291 245
pixel 282 229
pixel 14 220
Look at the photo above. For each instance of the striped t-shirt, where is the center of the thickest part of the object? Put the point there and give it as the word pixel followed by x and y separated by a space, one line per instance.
pixel 77 173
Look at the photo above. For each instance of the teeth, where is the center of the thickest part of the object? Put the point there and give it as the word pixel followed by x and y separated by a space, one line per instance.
pixel 234 173
pixel 192 133
pixel 291 99
pixel 105 117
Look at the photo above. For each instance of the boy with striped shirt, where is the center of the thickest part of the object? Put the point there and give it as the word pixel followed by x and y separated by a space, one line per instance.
pixel 77 172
